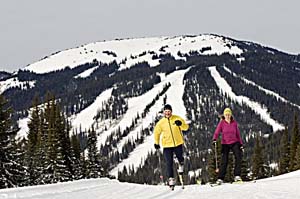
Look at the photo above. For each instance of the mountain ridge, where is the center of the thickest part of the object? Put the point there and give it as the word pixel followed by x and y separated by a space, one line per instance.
pixel 117 50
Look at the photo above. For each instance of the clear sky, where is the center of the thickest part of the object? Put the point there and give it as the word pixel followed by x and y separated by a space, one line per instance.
pixel 33 29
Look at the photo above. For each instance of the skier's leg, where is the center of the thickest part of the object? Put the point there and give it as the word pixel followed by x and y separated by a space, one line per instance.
pixel 224 161
pixel 179 155
pixel 168 154
pixel 238 158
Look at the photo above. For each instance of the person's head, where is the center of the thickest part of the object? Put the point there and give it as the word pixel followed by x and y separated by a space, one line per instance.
pixel 227 113
pixel 168 110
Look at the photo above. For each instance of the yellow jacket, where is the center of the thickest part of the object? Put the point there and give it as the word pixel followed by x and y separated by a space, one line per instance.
pixel 171 134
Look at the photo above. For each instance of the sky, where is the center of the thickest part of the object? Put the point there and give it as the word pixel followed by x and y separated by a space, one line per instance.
pixel 33 29
pixel 280 187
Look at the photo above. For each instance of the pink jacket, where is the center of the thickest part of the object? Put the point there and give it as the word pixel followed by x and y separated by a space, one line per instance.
pixel 230 132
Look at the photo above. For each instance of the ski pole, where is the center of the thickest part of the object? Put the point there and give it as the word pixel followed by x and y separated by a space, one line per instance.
pixel 216 158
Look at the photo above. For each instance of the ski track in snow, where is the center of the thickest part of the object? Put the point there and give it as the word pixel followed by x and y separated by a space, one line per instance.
pixel 280 187
pixel 255 106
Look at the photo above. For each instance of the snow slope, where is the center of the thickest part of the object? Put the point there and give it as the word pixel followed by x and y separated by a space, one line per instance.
pixel 279 187
pixel 267 91
pixel 14 82
pixel 132 51
pixel 255 106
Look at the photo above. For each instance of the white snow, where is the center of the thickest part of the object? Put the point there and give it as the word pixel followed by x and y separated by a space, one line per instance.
pixel 255 106
pixel 86 73
pixel 134 51
pixel 23 125
pixel 267 91
pixel 85 119
pixel 280 187
pixel 14 82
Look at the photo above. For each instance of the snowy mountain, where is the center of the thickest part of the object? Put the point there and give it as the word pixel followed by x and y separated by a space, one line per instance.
pixel 119 87
pixel 128 52
pixel 285 186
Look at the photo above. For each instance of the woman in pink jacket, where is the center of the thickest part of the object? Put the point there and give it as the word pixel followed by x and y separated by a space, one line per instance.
pixel 231 140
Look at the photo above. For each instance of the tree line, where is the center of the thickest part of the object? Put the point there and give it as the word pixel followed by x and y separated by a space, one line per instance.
pixel 48 154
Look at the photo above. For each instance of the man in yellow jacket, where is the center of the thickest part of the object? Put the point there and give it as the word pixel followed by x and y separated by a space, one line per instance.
pixel 169 130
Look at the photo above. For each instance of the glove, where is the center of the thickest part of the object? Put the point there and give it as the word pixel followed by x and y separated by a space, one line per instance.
pixel 242 148
pixel 178 123
pixel 156 146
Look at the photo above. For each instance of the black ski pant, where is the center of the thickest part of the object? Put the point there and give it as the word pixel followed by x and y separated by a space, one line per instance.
pixel 169 154
pixel 235 147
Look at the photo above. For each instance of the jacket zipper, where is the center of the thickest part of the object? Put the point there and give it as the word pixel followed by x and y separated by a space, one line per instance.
pixel 171 132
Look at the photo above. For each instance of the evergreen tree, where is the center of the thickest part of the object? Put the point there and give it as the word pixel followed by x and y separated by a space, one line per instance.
pixel 93 165
pixel 284 152
pixel 50 175
pixel 244 170
pixel 258 161
pixel 31 157
pixel 76 158
pixel 297 165
pixel 63 160
pixel 20 173
pixel 10 169
pixel 294 143
pixel 41 152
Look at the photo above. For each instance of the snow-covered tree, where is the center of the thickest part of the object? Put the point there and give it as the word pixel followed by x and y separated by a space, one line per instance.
pixel 93 158
pixel 11 171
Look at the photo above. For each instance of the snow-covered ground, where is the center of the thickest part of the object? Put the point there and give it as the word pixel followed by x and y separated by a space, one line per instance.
pixel 132 51
pixel 279 187
pixel 14 82
pixel 85 119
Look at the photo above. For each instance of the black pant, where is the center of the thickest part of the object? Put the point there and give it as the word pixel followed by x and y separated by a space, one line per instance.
pixel 168 154
pixel 235 147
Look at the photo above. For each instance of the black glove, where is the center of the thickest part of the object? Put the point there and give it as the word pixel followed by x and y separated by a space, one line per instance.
pixel 178 123
pixel 156 146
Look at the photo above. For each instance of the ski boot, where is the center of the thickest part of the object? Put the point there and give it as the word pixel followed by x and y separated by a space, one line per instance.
pixel 219 182
pixel 180 174
pixel 171 183
pixel 238 180
pixel 180 169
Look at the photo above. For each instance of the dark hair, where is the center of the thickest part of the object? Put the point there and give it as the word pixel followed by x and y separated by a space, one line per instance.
pixel 168 107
